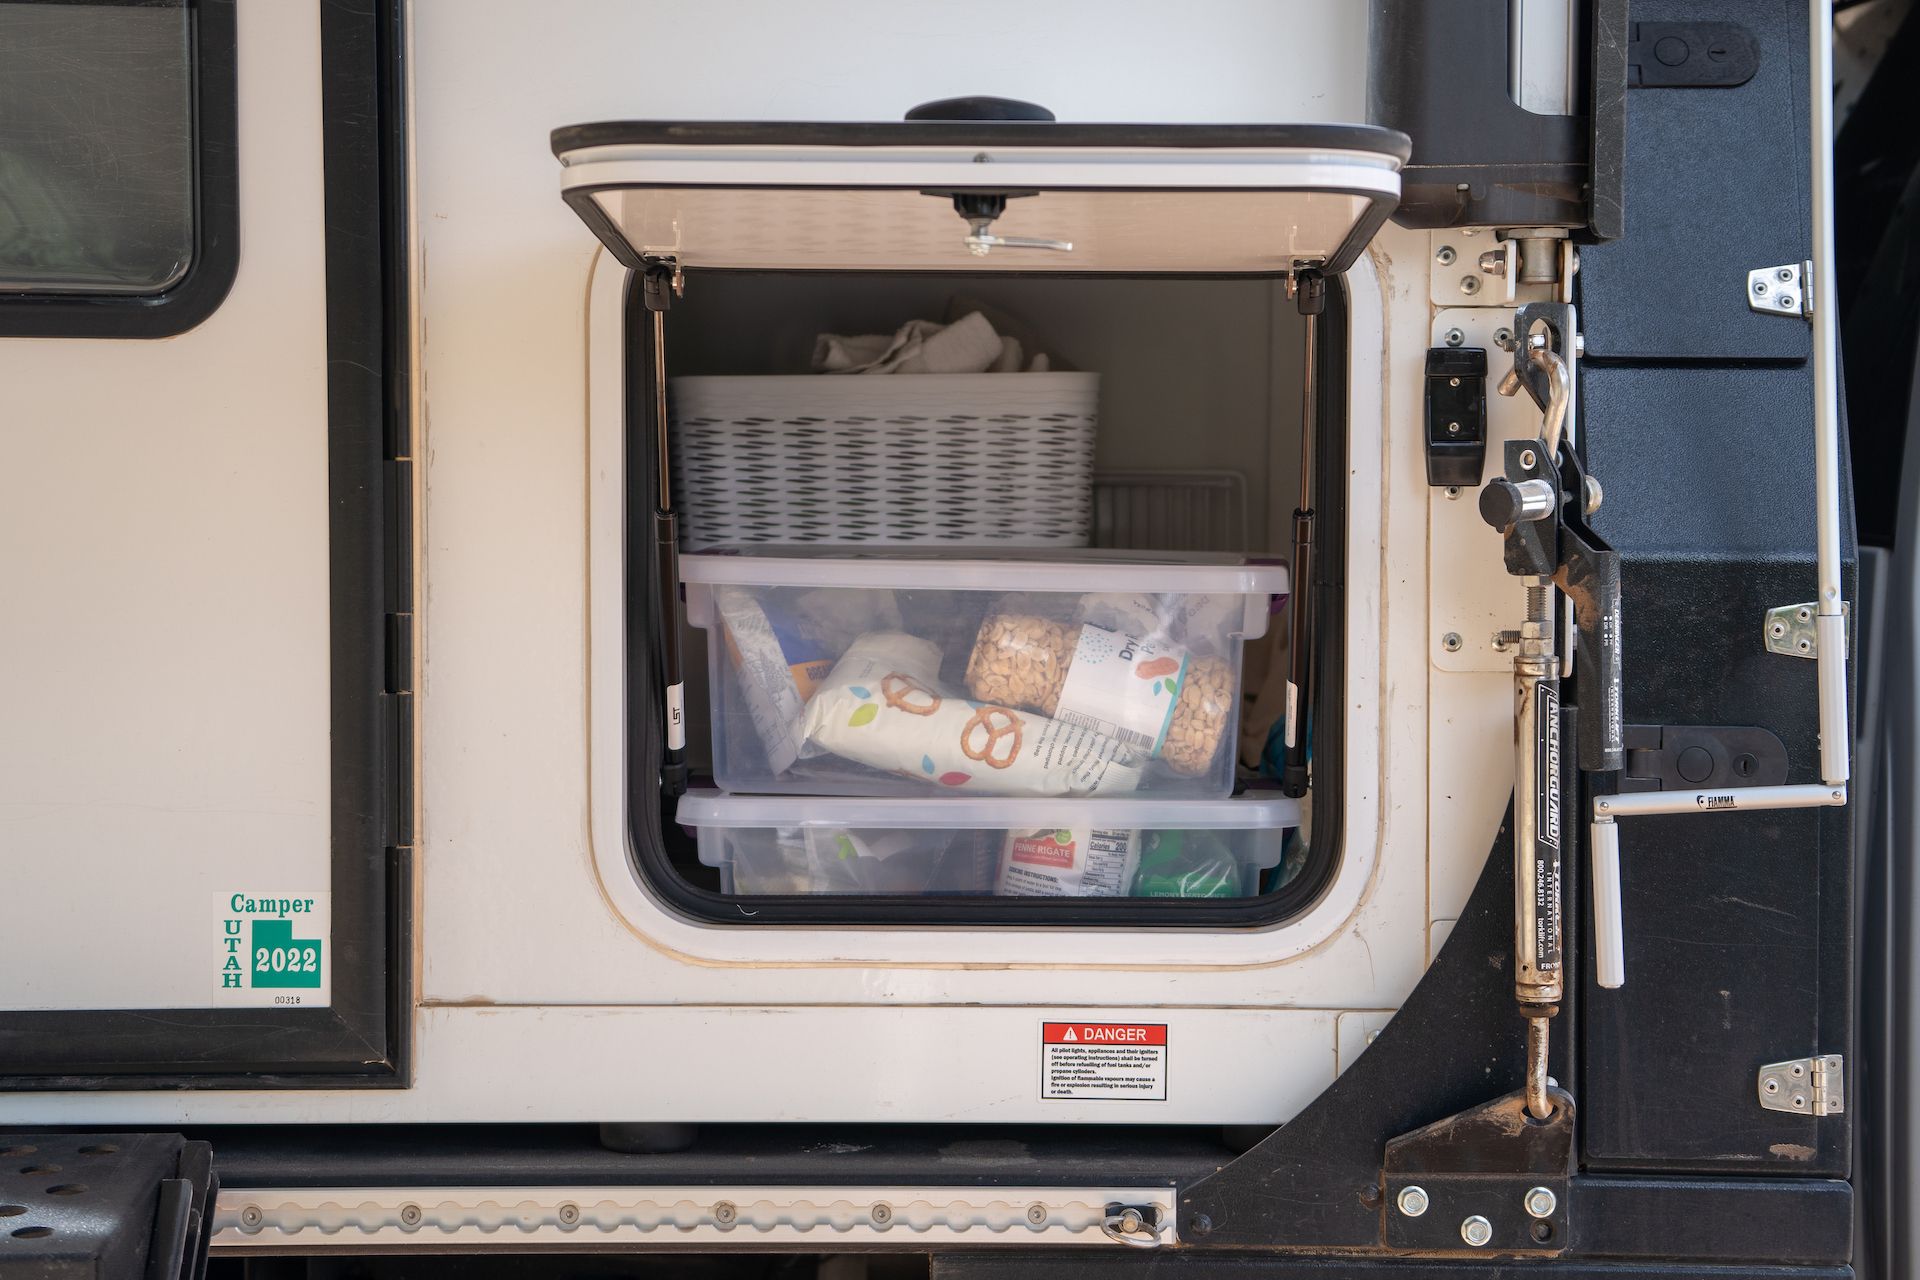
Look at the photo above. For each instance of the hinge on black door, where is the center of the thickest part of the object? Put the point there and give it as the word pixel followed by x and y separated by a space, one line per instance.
pixel 1811 1086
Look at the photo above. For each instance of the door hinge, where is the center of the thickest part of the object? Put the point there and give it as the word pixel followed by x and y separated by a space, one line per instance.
pixel 1810 1086
pixel 399 653
pixel 1785 290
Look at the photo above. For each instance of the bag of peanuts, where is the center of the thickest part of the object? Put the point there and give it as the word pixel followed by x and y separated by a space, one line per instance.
pixel 882 705
pixel 1159 699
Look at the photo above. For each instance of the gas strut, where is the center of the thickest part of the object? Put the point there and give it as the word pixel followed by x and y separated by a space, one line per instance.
pixel 1540 505
pixel 1310 293
pixel 660 283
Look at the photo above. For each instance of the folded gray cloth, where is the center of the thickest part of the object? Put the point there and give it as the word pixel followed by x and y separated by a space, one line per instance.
pixel 968 345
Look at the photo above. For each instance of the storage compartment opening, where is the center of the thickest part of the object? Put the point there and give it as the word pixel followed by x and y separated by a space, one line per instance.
pixel 1195 448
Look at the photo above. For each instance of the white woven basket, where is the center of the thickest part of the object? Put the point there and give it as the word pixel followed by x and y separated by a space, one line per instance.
pixel 899 459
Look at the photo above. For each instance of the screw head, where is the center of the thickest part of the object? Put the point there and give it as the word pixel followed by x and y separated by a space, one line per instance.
pixel 1455 337
pixel 724 1213
pixel 410 1215
pixel 1453 428
pixel 1469 285
pixel 1453 382
pixel 1201 1224
pixel 1476 1231
pixel 569 1214
pixel 1412 1201
pixel 1444 255
pixel 1450 642
pixel 251 1216
pixel 1541 1202
pixel 1036 1214
pixel 881 1213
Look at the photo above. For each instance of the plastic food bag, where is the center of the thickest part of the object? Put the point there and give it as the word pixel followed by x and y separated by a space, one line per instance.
pixel 1189 864
pixel 1150 693
pixel 807 860
pixel 883 706
pixel 783 647
pixel 1084 862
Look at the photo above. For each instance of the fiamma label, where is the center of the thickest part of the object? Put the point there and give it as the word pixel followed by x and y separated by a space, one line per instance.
pixel 1083 1061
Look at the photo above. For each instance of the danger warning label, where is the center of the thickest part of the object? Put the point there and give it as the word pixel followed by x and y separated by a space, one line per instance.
pixel 1083 1060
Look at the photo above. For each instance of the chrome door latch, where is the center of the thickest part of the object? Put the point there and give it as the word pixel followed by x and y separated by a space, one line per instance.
pixel 1786 290
pixel 1810 1086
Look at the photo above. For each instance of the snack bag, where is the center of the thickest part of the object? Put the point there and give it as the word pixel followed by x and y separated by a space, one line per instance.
pixel 882 706
pixel 1189 864
pixel 1083 862
pixel 783 647
pixel 1158 699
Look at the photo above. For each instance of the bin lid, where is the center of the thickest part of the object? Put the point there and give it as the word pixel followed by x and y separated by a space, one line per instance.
pixel 1174 199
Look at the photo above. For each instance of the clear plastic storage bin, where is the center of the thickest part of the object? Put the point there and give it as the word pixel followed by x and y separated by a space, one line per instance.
pixel 1097 675
pixel 1010 847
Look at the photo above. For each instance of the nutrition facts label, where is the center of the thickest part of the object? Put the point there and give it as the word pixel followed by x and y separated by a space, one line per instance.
pixel 1089 1060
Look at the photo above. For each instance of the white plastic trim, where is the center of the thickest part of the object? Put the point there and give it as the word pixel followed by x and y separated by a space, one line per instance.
pixel 1155 950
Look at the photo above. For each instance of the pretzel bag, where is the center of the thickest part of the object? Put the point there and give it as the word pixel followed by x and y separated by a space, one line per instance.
pixel 882 705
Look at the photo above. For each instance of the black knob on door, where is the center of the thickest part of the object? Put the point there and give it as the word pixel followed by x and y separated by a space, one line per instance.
pixel 980 108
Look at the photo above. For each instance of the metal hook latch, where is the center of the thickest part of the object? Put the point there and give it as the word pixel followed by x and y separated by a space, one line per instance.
pixel 1132 1225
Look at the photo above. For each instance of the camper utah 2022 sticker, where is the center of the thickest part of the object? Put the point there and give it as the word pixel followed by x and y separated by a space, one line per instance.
pixel 272 949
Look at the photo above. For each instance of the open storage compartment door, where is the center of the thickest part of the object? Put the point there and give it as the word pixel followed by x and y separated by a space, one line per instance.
pixel 1183 199
pixel 1121 243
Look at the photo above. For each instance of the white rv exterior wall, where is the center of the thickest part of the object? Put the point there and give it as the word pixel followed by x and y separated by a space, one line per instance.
pixel 551 988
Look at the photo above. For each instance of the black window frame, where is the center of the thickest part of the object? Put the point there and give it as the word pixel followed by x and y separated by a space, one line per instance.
pixel 650 810
pixel 210 273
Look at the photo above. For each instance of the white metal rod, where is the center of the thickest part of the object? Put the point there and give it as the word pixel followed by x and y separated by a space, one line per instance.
pixel 1609 933
pixel 1835 734
pixel 1635 804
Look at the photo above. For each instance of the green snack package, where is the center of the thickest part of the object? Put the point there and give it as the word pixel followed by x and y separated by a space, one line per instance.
pixel 1187 864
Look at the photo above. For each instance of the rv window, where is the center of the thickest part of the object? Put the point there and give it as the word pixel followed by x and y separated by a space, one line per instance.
pixel 113 151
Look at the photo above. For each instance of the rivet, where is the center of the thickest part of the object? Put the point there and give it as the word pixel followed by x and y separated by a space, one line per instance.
pixel 724 1214
pixel 1784 274
pixel 1444 255
pixel 1772 1086
pixel 251 1216
pixel 410 1215
pixel 1455 337
pixel 1759 288
pixel 1469 285
pixel 569 1214
pixel 1788 302
pixel 1453 428
pixel 1036 1214
pixel 1451 642
pixel 1453 493
pixel 881 1213
pixel 1453 382
pixel 1412 1201
pixel 1200 1224
pixel 1528 458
